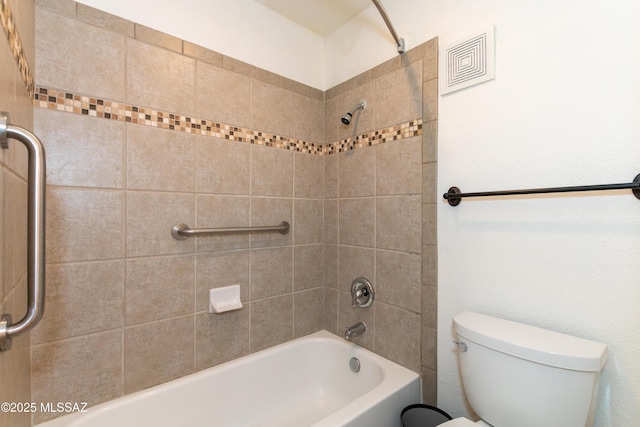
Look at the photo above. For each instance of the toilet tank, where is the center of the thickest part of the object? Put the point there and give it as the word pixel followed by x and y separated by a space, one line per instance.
pixel 520 375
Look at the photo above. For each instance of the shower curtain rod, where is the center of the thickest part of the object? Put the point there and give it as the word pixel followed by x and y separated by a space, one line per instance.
pixel 399 41
pixel 454 195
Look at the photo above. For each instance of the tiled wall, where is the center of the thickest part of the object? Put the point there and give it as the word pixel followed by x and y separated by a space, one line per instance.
pixel 19 24
pixel 126 303
pixel 379 212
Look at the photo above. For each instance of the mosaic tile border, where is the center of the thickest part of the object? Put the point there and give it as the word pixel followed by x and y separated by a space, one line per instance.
pixel 59 100
pixel 15 45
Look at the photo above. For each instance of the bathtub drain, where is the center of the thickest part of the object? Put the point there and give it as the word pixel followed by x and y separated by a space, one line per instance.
pixel 354 364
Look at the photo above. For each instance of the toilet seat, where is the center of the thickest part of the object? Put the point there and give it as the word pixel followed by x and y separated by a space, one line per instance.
pixel 462 422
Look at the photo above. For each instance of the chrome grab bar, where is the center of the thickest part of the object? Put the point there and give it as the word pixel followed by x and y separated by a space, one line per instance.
pixel 35 233
pixel 182 231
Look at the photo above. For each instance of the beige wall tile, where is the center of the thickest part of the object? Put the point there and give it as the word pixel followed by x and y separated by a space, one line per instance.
pixel 222 167
pixel 271 172
pixel 83 225
pixel 269 211
pixel 331 266
pixel 202 53
pixel 104 20
pixel 399 96
pixel 81 151
pixel 85 369
pixel 430 60
pixel 158 38
pixel 223 96
pixel 272 109
pixel 429 182
pixel 429 386
pixel 398 336
pixel 308 172
pixel 430 141
pixel 357 222
pixel 331 177
pixel 271 272
pixel 398 166
pixel 93 64
pixel 331 221
pixel 430 265
pixel 429 224
pixel 357 173
pixel 159 159
pixel 159 288
pixel 430 100
pixel 430 306
pixel 332 122
pixel 308 266
pixel 271 322
pixel 62 7
pixel 218 269
pixel 363 121
pixel 398 279
pixel 150 217
pixel 219 212
pixel 331 310
pixel 149 68
pixel 398 223
pixel 81 299
pixel 158 352
pixel 430 348
pixel 308 225
pixel 353 263
pixel 309 118
pixel 221 337
pixel 308 312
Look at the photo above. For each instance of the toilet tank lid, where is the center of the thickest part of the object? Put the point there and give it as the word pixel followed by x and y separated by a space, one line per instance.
pixel 531 343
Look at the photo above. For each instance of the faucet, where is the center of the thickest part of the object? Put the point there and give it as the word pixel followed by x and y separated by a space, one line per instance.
pixel 358 329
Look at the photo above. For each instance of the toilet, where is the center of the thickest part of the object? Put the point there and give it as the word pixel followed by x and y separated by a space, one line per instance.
pixel 516 375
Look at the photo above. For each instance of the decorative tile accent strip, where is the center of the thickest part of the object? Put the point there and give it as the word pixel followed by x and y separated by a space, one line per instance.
pixel 404 130
pixel 9 27
pixel 112 110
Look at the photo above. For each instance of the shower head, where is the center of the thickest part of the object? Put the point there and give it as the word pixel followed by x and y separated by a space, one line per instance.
pixel 346 119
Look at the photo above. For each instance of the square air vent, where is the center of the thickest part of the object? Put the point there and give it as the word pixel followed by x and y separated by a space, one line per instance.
pixel 468 62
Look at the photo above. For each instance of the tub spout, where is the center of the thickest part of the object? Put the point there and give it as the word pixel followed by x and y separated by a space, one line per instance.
pixel 358 329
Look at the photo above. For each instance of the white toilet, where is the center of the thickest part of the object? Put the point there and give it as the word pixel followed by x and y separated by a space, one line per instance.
pixel 516 375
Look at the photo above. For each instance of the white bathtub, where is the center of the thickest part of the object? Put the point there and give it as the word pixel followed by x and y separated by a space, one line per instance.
pixel 305 382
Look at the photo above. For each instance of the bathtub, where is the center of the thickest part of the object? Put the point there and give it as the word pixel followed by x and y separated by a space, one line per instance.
pixel 305 382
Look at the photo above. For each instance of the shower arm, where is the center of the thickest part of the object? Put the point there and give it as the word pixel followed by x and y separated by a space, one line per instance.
pixel 399 41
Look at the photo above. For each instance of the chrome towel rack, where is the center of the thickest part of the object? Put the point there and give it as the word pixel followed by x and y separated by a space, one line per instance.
pixel 182 231
pixel 35 233
pixel 454 195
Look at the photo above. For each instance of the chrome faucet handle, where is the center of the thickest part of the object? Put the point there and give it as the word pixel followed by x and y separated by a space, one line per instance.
pixel 362 293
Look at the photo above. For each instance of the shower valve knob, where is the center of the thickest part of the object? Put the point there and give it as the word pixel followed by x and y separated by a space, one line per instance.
pixel 362 293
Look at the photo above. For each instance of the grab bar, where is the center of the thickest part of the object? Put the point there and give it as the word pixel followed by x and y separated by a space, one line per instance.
pixel 35 233
pixel 454 195
pixel 182 231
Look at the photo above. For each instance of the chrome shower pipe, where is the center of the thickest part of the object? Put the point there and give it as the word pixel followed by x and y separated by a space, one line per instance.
pixel 399 40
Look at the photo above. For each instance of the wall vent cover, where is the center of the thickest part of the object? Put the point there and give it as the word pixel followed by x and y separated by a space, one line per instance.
pixel 468 62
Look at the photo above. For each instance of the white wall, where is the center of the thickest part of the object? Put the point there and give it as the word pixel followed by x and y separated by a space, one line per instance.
pixel 564 109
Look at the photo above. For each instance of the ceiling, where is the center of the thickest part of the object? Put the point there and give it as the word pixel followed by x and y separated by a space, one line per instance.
pixel 319 16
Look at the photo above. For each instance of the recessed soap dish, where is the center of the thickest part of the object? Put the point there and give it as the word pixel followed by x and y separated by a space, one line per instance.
pixel 224 299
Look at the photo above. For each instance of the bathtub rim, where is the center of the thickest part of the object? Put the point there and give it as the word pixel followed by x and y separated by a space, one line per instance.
pixel 393 375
